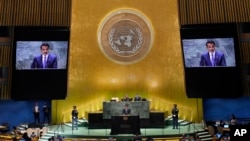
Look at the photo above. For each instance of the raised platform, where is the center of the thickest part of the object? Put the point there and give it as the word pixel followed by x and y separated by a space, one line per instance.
pixel 84 132
pixel 156 120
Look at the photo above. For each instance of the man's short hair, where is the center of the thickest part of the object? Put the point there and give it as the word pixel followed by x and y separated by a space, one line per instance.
pixel 44 44
pixel 210 42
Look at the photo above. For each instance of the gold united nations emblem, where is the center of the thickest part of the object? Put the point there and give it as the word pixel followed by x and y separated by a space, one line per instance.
pixel 125 36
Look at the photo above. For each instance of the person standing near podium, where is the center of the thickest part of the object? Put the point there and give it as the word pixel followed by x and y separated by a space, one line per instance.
pixel 175 112
pixel 74 114
pixel 126 110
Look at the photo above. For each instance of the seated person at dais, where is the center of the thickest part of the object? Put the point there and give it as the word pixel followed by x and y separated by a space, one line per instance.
pixel 126 110
pixel 137 97
pixel 126 98
pixel 137 137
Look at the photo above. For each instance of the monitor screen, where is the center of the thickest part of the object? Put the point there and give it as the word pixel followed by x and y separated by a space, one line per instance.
pixel 41 55
pixel 40 59
pixel 209 52
pixel 211 56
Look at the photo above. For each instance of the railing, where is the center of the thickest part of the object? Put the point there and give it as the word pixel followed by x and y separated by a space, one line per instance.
pixel 59 129
pixel 226 120
pixel 195 129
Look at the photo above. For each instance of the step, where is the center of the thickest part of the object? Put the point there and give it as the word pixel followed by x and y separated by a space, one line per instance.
pixel 46 137
pixel 207 139
pixel 81 120
pixel 181 120
pixel 43 139
pixel 202 133
pixel 80 124
pixel 21 128
pixel 184 123
pixel 50 133
pixel 205 136
pixel 168 118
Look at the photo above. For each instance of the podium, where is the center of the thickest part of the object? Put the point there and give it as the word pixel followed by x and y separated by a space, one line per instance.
pixel 125 125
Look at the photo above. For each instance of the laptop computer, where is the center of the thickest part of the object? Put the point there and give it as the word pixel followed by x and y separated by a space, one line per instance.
pixel 226 125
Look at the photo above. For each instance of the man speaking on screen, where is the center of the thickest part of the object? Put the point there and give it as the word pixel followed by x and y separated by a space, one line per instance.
pixel 212 58
pixel 46 59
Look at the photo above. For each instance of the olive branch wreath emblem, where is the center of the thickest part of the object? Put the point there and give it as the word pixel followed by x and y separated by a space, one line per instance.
pixel 135 48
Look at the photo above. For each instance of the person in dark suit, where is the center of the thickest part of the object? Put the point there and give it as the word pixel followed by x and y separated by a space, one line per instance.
pixel 46 113
pixel 137 97
pixel 212 57
pixel 175 112
pixel 126 110
pixel 126 98
pixel 46 59
pixel 74 115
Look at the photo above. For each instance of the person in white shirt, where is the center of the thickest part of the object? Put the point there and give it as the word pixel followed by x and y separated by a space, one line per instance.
pixel 36 113
pixel 233 120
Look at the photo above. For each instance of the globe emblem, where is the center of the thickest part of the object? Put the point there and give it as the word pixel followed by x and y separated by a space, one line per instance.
pixel 125 36
pixel 125 40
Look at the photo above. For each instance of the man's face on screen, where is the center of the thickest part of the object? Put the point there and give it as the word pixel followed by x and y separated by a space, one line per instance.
pixel 45 50
pixel 210 47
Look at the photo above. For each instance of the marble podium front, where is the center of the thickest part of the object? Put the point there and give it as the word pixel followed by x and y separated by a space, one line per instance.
pixel 140 108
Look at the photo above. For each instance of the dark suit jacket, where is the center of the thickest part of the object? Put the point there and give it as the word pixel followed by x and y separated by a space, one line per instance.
pixel 175 112
pixel 38 62
pixel 137 98
pixel 219 59
pixel 126 99
pixel 126 112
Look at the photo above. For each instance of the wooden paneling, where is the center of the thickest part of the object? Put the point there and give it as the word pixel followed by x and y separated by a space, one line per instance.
pixel 5 62
pixel 28 13
pixel 35 12
pixel 213 11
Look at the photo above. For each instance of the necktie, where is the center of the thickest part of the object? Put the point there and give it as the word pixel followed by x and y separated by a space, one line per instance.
pixel 212 59
pixel 44 62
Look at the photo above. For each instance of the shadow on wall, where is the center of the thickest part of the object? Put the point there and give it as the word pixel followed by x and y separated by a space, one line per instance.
pixel 221 109
pixel 19 112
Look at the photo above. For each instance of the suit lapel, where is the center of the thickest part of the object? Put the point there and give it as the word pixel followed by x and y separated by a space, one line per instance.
pixel 41 60
pixel 208 59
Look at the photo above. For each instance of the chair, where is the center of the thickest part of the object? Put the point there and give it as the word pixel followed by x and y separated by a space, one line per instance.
pixel 220 130
pixel 45 130
pixel 37 132
pixel 211 130
pixel 29 131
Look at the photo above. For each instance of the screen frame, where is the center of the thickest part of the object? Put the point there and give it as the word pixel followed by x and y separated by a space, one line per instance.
pixel 53 49
pixel 42 84
pixel 225 82
pixel 200 50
